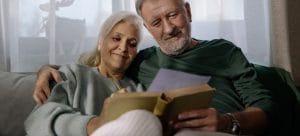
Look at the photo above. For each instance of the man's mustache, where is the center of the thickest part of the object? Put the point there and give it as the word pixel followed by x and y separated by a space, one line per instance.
pixel 172 34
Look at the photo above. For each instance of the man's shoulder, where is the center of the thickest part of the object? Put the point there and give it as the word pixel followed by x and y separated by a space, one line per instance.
pixel 143 55
pixel 147 52
pixel 219 43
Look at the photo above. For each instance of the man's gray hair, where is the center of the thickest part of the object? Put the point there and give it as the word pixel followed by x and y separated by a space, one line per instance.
pixel 139 3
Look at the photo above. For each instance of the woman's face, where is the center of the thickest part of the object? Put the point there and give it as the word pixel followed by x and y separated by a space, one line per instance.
pixel 119 48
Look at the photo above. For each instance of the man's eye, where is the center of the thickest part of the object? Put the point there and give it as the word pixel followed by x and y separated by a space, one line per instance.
pixel 156 23
pixel 173 15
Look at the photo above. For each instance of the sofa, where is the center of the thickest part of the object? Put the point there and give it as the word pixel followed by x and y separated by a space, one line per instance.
pixel 16 100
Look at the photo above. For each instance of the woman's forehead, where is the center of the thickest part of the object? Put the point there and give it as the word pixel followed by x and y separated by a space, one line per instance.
pixel 125 28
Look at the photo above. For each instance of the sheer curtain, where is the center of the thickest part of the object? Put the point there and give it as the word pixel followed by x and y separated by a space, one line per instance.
pixel 243 22
pixel 37 32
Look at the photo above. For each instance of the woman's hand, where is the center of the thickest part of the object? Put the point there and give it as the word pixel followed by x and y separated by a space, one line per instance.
pixel 96 122
pixel 93 124
pixel 45 74
pixel 121 91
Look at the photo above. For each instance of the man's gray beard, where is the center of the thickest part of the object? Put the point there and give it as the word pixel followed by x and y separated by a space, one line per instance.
pixel 168 50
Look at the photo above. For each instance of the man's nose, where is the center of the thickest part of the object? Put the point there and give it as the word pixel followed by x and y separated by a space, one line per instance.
pixel 168 27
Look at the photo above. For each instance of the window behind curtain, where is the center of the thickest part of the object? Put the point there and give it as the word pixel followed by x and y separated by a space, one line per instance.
pixel 37 33
pixel 57 35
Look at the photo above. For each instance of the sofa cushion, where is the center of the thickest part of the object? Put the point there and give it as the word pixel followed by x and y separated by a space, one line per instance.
pixel 15 101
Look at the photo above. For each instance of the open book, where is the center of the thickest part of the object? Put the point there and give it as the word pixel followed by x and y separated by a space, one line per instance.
pixel 166 104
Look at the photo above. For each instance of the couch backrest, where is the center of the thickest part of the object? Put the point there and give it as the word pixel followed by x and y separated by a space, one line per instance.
pixel 16 102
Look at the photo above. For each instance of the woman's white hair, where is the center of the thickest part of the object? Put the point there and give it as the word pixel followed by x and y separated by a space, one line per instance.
pixel 114 19
pixel 94 58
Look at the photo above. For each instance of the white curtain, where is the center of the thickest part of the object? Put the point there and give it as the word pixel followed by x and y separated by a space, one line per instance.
pixel 37 32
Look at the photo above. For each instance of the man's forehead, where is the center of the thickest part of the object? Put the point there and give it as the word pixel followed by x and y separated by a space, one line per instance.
pixel 153 6
pixel 160 7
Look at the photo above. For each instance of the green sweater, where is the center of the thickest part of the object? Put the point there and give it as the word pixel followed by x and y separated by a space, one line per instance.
pixel 232 75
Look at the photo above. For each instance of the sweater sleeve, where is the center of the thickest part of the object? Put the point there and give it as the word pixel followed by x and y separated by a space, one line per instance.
pixel 58 116
pixel 245 81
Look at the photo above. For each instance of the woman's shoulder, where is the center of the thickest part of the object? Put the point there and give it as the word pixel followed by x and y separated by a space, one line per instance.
pixel 76 67
pixel 77 70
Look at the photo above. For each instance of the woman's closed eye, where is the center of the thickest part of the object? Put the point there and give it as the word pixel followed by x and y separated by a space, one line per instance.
pixel 132 43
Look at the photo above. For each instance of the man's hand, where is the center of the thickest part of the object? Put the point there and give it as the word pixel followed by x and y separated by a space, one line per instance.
pixel 252 120
pixel 45 74
pixel 202 120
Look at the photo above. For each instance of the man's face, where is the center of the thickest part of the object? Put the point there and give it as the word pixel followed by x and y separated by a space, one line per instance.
pixel 169 23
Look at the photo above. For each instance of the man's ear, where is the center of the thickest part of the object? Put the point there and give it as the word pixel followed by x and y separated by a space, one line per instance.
pixel 188 11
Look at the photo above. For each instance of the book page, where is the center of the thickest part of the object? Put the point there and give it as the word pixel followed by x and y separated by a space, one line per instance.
pixel 167 79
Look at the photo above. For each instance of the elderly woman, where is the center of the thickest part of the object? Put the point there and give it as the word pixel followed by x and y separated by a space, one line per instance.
pixel 75 104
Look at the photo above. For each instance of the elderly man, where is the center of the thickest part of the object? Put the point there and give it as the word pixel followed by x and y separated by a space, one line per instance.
pixel 241 104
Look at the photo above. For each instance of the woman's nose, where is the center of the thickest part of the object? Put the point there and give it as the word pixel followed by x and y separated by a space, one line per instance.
pixel 123 46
